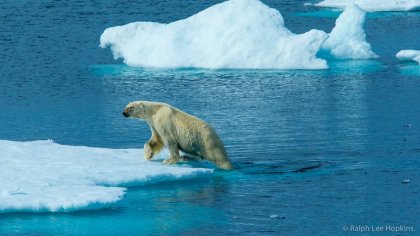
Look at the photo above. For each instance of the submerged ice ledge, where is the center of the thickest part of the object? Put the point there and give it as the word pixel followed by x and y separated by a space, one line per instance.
pixel 45 176
pixel 374 5
pixel 236 34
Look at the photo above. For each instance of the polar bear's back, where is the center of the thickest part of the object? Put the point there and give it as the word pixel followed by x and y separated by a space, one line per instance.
pixel 193 135
pixel 194 131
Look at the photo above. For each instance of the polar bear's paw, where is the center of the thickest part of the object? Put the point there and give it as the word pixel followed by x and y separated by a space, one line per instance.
pixel 148 152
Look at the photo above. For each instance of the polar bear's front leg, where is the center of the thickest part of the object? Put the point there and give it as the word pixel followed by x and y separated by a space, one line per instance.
pixel 173 154
pixel 152 147
pixel 148 151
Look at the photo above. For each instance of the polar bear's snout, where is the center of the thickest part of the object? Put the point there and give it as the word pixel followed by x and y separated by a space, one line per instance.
pixel 127 111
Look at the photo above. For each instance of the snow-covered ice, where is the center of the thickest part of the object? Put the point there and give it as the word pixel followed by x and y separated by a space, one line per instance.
pixel 374 5
pixel 46 176
pixel 232 34
pixel 347 40
pixel 409 55
pixel 236 34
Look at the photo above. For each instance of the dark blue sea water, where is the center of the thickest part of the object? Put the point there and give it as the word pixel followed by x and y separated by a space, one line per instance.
pixel 316 150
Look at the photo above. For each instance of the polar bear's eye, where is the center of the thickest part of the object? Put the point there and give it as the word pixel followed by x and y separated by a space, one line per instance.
pixel 131 108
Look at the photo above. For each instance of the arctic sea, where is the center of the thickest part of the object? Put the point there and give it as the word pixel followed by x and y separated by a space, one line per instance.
pixel 317 152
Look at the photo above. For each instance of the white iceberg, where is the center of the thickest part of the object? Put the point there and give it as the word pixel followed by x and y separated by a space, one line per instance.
pixel 45 176
pixel 409 55
pixel 232 34
pixel 347 40
pixel 236 34
pixel 374 5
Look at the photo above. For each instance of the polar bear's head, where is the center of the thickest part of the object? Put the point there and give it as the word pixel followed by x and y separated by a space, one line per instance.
pixel 141 109
pixel 136 109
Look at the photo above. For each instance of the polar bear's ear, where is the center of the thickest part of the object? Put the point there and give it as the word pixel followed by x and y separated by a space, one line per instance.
pixel 140 105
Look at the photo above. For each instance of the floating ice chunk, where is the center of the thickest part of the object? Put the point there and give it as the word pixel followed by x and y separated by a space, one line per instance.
pixel 409 55
pixel 347 40
pixel 232 34
pixel 374 5
pixel 45 176
pixel 405 181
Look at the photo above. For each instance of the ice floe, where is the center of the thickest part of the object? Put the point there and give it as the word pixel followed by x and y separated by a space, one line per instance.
pixel 374 5
pixel 236 34
pixel 232 34
pixel 46 176
pixel 347 40
pixel 409 55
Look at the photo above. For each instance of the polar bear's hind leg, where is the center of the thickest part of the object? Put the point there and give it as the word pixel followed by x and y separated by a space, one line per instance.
pixel 173 154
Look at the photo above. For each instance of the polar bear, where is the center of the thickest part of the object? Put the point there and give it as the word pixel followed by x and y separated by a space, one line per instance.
pixel 178 131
